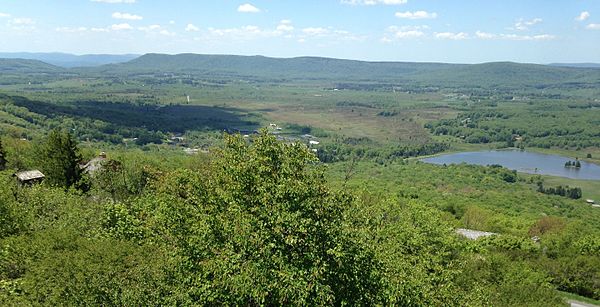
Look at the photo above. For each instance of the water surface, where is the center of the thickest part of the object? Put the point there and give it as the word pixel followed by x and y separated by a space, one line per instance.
pixel 522 161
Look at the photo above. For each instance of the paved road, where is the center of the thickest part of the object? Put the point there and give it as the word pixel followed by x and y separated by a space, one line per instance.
pixel 580 304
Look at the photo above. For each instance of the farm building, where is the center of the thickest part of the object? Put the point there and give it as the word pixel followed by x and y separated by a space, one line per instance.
pixel 29 177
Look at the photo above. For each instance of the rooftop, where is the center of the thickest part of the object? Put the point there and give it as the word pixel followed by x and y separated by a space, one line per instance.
pixel 29 175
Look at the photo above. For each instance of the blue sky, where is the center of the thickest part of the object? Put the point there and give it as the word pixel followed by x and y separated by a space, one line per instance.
pixel 460 31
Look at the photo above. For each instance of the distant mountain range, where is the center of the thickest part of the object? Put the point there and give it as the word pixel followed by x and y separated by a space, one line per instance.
pixel 70 60
pixel 577 65
pixel 495 75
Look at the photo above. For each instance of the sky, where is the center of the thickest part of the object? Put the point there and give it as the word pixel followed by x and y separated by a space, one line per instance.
pixel 458 31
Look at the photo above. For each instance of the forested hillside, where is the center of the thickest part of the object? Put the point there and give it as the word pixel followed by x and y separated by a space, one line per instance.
pixel 70 60
pixel 258 224
pixel 488 75
pixel 228 180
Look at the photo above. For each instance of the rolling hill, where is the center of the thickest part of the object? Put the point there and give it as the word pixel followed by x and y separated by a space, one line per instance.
pixel 26 66
pixel 266 67
pixel 70 60
pixel 497 74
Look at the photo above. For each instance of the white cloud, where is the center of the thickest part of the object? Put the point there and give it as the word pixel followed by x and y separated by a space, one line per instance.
pixel 315 31
pixel 242 33
pixel 99 30
pixel 416 15
pixel 583 16
pixel 171 22
pixel 191 28
pixel 285 25
pixel 514 37
pixel 150 28
pixel 452 35
pixel 329 35
pixel 485 35
pixel 22 21
pixel 523 25
pixel 156 29
pixel 374 2
pixel 4 15
pixel 404 32
pixel 166 32
pixel 121 26
pixel 593 26
pixel 22 24
pixel 409 34
pixel 407 28
pixel 71 30
pixel 126 16
pixel 248 8
pixel 114 1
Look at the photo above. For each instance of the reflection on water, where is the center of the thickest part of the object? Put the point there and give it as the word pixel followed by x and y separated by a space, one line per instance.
pixel 523 161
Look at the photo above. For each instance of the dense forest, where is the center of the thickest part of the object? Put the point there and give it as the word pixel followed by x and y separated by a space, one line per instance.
pixel 257 223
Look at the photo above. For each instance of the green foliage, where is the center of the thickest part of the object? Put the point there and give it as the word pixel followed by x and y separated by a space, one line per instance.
pixel 121 180
pixel 576 274
pixel 573 193
pixel 419 251
pixel 60 160
pixel 534 125
pixel 260 227
pixel 510 282
pixel 3 161
pixel 10 219
pixel 547 225
pixel 66 269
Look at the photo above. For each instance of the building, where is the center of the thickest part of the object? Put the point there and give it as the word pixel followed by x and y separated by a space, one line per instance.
pixel 590 201
pixel 29 177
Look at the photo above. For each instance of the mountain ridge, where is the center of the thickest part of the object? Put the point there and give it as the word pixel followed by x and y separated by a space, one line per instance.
pixel 260 68
pixel 67 60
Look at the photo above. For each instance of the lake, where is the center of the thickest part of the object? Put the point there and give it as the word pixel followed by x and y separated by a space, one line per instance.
pixel 522 161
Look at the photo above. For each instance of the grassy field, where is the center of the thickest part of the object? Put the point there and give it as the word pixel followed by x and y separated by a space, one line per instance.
pixel 575 297
pixel 589 188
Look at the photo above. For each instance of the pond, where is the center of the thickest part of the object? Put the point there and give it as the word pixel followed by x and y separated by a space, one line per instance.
pixel 523 161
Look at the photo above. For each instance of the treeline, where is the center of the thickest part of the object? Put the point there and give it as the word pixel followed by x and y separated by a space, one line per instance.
pixel 575 164
pixel 535 125
pixel 573 193
pixel 363 149
pixel 114 122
